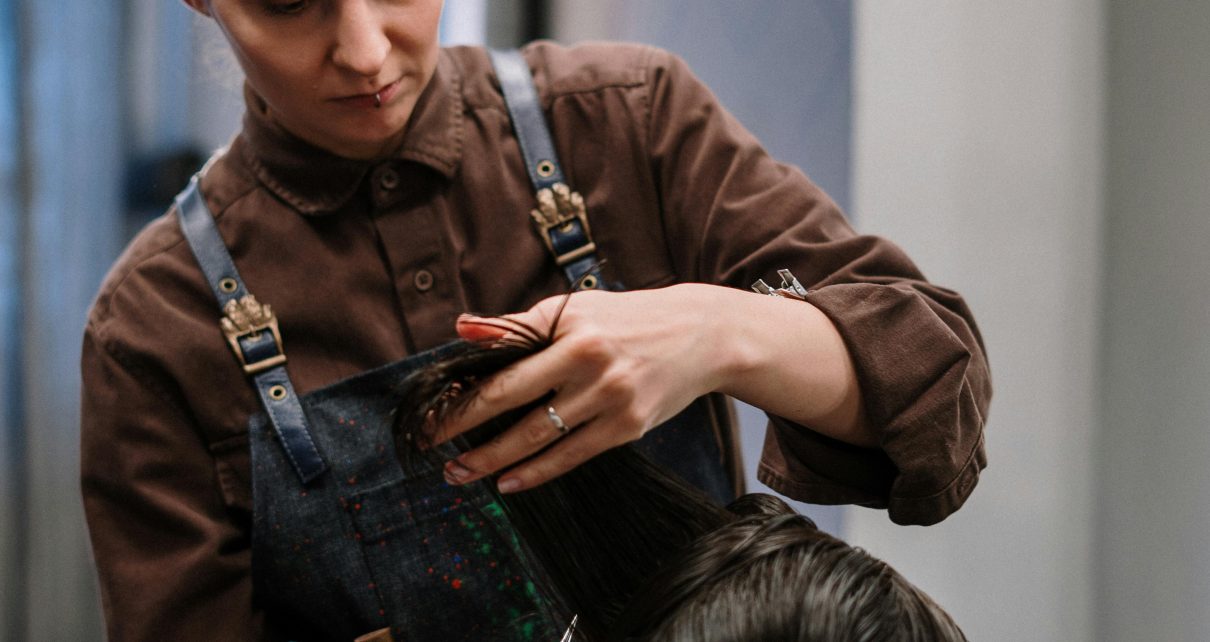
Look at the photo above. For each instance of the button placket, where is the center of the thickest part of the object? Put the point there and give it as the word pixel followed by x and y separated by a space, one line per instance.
pixel 409 229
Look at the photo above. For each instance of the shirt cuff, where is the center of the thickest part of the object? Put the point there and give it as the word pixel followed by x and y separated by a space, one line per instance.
pixel 925 389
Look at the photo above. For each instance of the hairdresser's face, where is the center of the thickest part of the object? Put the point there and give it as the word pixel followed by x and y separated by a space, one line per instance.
pixel 318 64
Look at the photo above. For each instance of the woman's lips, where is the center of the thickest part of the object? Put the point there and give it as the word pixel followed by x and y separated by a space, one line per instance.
pixel 369 101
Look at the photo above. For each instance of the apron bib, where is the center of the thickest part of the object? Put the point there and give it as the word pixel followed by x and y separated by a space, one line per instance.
pixel 371 544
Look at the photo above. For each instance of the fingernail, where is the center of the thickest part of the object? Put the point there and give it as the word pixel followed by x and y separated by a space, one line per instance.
pixel 509 485
pixel 456 473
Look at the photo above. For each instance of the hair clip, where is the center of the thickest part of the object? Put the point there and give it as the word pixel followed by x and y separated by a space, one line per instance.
pixel 790 287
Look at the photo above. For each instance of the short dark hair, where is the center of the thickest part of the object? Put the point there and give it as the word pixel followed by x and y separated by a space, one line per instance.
pixel 772 575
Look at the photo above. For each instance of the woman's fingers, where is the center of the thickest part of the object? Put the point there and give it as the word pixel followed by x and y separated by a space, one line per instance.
pixel 629 360
pixel 510 388
pixel 473 328
pixel 537 430
pixel 571 451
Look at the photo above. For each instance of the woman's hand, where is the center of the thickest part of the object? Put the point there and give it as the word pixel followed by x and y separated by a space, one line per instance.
pixel 622 363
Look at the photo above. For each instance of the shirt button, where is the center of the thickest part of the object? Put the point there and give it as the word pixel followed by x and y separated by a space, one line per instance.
pixel 388 179
pixel 423 280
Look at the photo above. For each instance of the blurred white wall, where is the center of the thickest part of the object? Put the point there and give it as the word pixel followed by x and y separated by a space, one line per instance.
pixel 782 67
pixel 979 149
pixel 215 91
pixel 464 22
pixel 68 206
pixel 1153 478
pixel 1050 159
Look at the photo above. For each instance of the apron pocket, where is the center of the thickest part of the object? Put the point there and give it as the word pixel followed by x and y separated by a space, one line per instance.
pixel 446 562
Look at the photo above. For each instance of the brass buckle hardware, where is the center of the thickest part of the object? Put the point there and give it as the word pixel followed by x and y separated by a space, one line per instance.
pixel 247 318
pixel 558 207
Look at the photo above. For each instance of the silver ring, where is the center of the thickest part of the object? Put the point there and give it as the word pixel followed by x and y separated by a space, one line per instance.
pixel 555 419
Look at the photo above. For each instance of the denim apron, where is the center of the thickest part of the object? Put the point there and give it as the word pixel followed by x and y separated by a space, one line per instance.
pixel 345 540
pixel 372 544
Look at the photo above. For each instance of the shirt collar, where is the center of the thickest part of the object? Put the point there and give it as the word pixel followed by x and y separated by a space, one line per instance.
pixel 315 181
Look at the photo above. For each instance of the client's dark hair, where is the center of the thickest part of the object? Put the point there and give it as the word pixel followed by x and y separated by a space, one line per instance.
pixel 640 554
pixel 772 575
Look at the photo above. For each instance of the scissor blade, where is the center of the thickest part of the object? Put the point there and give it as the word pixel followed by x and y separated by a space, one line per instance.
pixel 570 629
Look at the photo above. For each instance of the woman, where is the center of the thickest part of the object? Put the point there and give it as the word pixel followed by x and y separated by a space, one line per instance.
pixel 376 192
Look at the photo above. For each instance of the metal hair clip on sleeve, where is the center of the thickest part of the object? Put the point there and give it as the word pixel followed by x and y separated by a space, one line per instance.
pixel 790 287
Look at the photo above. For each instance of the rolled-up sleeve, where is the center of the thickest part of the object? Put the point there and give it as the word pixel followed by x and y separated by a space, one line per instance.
pixel 734 215
pixel 925 384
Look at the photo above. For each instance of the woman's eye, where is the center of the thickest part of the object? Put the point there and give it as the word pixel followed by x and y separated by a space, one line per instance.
pixel 287 8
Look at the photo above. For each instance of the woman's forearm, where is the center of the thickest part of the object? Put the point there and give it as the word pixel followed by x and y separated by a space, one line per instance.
pixel 786 357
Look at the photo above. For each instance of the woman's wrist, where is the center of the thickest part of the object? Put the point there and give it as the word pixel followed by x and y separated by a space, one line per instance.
pixel 787 358
pixel 725 353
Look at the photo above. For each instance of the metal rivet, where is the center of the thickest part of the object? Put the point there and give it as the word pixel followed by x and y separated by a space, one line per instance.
pixel 228 285
pixel 423 280
pixel 590 282
pixel 277 393
pixel 546 169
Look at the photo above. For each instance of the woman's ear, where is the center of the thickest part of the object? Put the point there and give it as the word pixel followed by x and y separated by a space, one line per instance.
pixel 199 6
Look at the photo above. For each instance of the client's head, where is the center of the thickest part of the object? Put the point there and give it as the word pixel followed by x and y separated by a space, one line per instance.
pixel 772 575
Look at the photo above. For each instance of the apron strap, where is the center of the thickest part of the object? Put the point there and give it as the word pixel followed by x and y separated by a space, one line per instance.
pixel 252 333
pixel 561 217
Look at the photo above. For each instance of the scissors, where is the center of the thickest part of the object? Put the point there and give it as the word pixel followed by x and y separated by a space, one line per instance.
pixel 570 629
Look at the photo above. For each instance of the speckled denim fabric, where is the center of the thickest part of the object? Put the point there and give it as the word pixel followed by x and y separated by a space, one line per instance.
pixel 369 545
pixel 372 544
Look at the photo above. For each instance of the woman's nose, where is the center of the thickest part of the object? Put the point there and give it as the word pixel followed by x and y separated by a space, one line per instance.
pixel 361 44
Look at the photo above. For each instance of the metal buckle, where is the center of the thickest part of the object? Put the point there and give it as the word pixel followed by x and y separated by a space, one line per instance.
pixel 559 207
pixel 247 318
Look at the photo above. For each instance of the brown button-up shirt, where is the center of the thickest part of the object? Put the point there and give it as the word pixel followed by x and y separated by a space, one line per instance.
pixel 366 262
